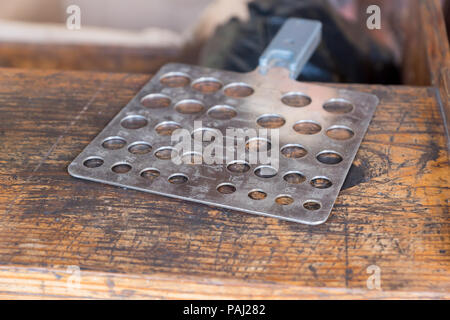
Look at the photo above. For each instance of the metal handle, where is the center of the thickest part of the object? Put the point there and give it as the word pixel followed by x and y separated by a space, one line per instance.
pixel 292 47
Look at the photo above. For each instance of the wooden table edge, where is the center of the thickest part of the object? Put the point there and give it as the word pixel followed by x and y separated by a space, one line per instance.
pixel 18 282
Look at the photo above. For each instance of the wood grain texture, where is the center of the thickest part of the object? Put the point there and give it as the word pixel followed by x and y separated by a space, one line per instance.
pixel 415 69
pixel 435 39
pixel 105 58
pixel 436 43
pixel 393 212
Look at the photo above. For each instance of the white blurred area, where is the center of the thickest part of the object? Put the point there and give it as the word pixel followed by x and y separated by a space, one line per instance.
pixel 117 22
pixel 174 15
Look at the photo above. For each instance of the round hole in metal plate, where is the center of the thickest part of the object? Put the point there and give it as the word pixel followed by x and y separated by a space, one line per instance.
pixel 338 106
pixel 175 79
pixel 222 112
pixel 166 128
pixel 271 121
pixel 265 171
pixel 296 99
pixel 321 182
pixel 340 133
pixel 257 194
pixel 140 147
pixel 238 166
pixel 93 162
pixel 257 144
pixel 294 177
pixel 134 122
pixel 284 199
pixel 156 101
pixel 238 90
pixel 307 127
pixel 207 85
pixel 150 174
pixel 293 151
pixel 329 157
pixel 121 167
pixel 178 178
pixel 192 158
pixel 205 134
pixel 166 153
pixel 189 106
pixel 226 188
pixel 114 143
pixel 312 205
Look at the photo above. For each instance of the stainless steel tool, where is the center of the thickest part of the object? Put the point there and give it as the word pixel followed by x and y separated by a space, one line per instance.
pixel 320 129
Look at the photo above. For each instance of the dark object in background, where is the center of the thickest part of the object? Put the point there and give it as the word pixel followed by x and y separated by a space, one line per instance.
pixel 446 11
pixel 346 54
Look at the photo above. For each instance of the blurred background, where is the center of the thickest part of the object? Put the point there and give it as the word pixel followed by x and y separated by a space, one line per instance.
pixel 142 35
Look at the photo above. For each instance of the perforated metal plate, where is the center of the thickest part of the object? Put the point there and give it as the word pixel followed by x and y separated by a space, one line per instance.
pixel 320 131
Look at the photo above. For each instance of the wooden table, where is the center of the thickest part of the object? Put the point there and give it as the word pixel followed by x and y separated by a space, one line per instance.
pixel 62 237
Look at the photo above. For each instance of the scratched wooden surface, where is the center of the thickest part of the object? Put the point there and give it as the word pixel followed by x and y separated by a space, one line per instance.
pixel 392 213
